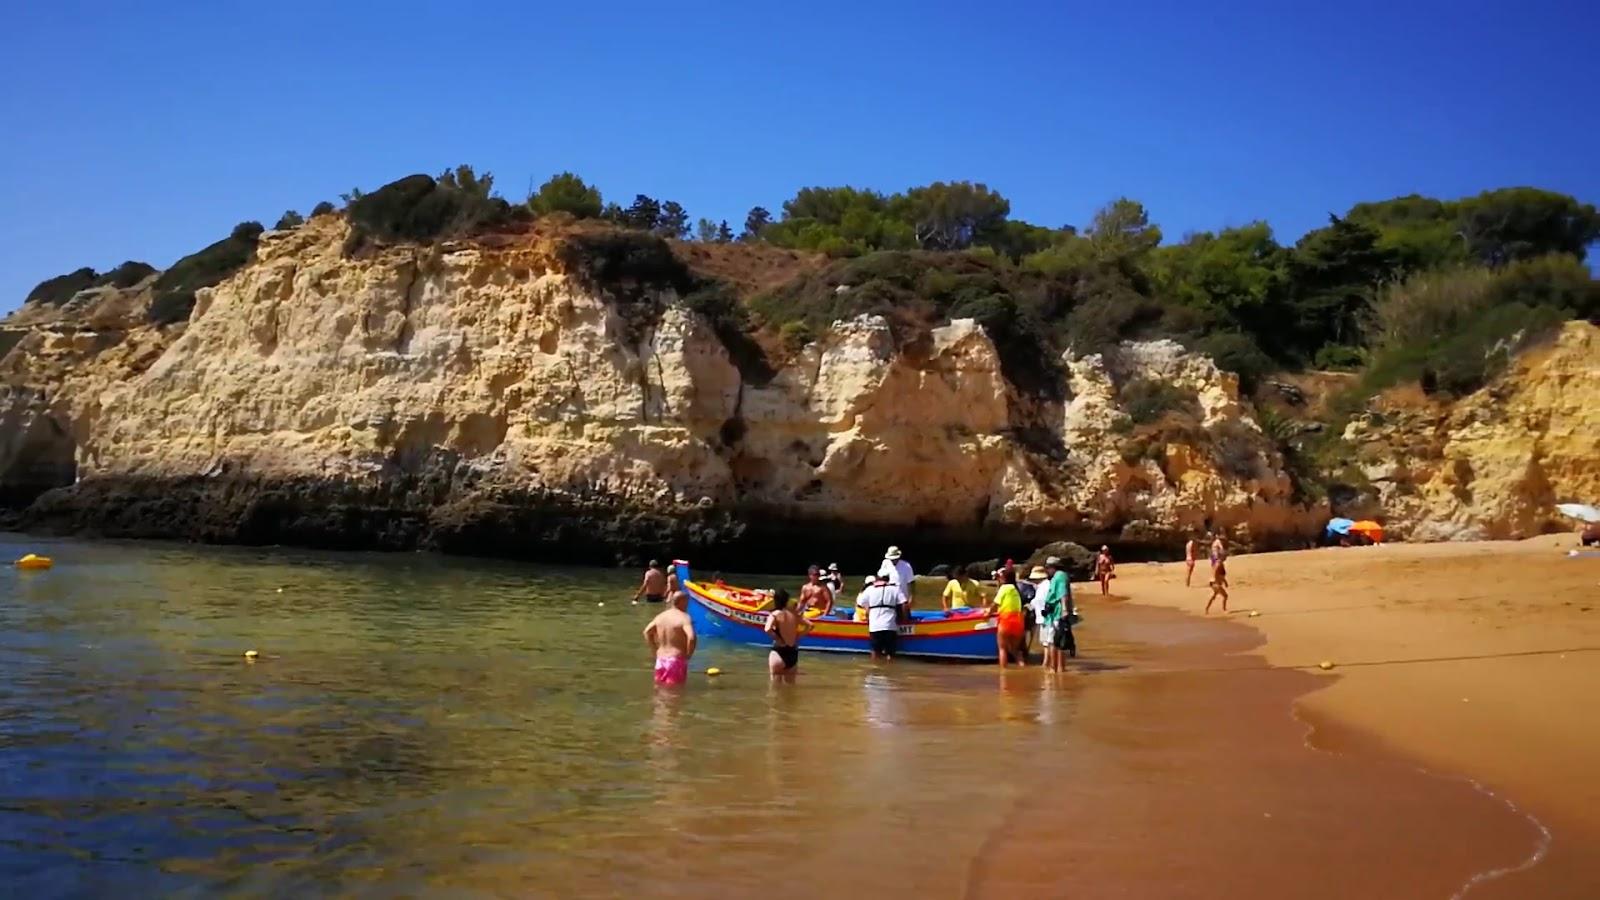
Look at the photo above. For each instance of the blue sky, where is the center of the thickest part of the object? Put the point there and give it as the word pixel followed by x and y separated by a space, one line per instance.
pixel 146 134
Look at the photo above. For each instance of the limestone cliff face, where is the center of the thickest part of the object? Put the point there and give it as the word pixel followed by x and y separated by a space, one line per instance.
pixel 484 398
pixel 1494 464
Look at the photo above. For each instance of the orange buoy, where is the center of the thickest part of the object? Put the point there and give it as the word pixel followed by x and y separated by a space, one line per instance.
pixel 32 561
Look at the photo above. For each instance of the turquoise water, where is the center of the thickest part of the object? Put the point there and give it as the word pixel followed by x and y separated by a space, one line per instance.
pixel 419 722
pixel 423 726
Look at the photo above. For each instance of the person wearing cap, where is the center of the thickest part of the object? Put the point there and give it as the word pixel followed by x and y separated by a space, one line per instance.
pixel 861 611
pixel 833 579
pixel 654 587
pixel 1059 610
pixel 961 592
pixel 1047 616
pixel 882 603
pixel 899 573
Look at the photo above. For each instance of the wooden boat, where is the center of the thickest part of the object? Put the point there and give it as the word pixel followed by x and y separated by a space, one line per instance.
pixel 733 614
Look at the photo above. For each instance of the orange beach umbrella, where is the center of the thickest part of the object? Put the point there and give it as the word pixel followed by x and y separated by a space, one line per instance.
pixel 1369 529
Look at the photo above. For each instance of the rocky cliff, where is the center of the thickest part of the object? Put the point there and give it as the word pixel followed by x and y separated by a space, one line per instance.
pixel 494 397
pixel 1494 464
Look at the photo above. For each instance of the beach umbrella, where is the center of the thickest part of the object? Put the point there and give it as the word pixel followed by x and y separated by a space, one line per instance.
pixel 1369 529
pixel 1579 511
pixel 1339 526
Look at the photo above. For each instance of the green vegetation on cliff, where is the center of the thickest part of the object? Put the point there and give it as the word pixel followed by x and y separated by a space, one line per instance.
pixel 174 290
pixel 1412 288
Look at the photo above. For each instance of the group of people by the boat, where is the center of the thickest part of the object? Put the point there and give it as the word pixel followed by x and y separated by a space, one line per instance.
pixel 1027 606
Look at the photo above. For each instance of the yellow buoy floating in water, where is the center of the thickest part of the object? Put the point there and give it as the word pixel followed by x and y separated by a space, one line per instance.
pixel 32 561
pixel 1325 665
pixel 251 655
pixel 713 671
pixel 1254 613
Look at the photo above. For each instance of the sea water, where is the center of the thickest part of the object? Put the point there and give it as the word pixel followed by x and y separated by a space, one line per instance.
pixel 418 725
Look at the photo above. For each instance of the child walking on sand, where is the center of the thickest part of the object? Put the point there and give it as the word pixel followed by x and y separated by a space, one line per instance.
pixel 671 637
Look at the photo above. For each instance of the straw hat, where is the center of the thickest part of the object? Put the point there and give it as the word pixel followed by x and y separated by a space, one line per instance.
pixel 1038 574
pixel 892 553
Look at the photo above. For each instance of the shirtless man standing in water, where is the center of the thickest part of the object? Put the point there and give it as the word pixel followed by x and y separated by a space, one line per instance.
pixel 671 636
pixel 654 587
pixel 784 626
pixel 815 594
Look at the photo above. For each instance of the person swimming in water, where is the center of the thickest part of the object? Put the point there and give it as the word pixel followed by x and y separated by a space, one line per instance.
pixel 784 626
pixel 671 637
pixel 654 586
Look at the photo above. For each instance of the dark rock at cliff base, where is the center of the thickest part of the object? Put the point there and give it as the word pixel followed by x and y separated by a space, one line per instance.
pixel 412 513
pixel 1078 559
pixel 983 569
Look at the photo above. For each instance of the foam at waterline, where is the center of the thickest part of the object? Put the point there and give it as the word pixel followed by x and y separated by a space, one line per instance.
pixel 1541 844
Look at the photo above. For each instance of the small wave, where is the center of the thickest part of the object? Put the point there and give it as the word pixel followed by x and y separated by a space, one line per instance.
pixel 1541 847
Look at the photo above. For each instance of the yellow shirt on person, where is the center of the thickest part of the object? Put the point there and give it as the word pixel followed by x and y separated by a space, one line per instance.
pixel 1008 600
pixel 957 595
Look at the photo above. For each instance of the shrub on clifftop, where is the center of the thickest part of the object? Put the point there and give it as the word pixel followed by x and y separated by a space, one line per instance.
pixel 58 290
pixel 420 208
pixel 174 290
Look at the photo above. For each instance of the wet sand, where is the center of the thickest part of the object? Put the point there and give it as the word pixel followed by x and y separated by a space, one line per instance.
pixel 1477 660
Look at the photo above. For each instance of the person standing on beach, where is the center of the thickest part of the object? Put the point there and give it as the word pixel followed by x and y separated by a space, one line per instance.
pixel 1009 625
pixel 882 603
pixel 784 626
pixel 1191 549
pixel 899 574
pixel 1219 573
pixel 671 637
pixel 654 587
pixel 1048 615
pixel 1060 593
pixel 1104 569
pixel 815 593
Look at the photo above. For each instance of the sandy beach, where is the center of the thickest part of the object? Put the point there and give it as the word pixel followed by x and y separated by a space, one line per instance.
pixel 1477 660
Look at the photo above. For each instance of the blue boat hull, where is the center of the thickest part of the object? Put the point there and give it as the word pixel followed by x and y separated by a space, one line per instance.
pixel 930 634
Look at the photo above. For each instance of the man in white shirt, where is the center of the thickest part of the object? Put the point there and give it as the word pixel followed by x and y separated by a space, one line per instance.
pixel 899 573
pixel 882 604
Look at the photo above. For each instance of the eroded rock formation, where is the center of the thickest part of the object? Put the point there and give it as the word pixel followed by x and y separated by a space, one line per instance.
pixel 486 397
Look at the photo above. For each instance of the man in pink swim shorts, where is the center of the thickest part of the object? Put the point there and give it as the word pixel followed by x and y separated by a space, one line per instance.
pixel 671 636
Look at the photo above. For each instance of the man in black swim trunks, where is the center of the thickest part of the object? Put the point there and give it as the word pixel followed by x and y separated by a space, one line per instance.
pixel 784 625
pixel 882 603
pixel 654 587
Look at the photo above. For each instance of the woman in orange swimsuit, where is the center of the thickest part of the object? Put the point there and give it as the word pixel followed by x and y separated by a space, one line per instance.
pixel 1010 627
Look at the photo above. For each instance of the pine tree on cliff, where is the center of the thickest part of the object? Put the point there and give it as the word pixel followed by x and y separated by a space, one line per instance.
pixel 755 223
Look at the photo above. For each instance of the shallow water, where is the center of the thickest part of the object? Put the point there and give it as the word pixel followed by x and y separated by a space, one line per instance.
pixel 420 725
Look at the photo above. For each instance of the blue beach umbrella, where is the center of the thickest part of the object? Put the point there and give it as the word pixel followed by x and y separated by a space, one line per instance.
pixel 1339 526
